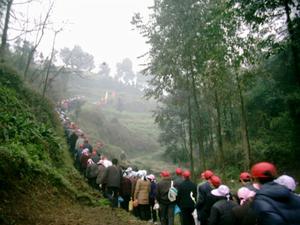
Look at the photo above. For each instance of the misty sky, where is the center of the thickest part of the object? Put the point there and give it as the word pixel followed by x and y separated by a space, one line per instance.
pixel 101 27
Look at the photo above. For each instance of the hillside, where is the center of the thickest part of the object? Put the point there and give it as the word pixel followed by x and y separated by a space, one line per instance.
pixel 123 121
pixel 38 183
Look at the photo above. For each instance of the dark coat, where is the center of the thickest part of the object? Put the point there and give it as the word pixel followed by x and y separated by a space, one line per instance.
pixel 184 199
pixel 177 181
pixel 244 214
pixel 203 191
pixel 153 191
pixel 112 175
pixel 221 212
pixel 101 170
pixel 92 171
pixel 162 190
pixel 276 205
pixel 126 186
pixel 210 201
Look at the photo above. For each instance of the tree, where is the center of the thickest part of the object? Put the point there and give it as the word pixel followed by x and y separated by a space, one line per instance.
pixel 38 38
pixel 3 46
pixel 50 62
pixel 77 60
pixel 124 71
pixel 104 69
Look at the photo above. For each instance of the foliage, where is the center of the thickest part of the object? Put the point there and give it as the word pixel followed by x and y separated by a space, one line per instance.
pixel 238 100
pixel 32 142
pixel 77 59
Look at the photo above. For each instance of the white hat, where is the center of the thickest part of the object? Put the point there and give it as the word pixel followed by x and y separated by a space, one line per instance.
pixel 222 190
pixel 286 181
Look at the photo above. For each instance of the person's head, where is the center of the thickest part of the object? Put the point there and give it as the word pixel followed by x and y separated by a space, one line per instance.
pixel 245 194
pixel 207 174
pixel 114 161
pixel 165 174
pixel 86 141
pixel 245 178
pixel 186 175
pixel 221 191
pixel 215 181
pixel 286 181
pixel 178 171
pixel 151 177
pixel 263 172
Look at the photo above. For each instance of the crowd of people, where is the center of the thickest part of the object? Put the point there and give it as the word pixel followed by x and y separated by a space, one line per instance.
pixel 264 198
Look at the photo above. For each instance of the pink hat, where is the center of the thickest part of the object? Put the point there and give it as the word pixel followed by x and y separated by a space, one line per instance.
pixel 244 194
pixel 151 177
pixel 286 181
pixel 222 190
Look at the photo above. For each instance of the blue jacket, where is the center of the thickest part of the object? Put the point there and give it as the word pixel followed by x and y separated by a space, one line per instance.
pixel 274 204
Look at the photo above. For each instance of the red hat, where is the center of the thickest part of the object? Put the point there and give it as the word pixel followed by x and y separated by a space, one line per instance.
pixel 263 170
pixel 178 171
pixel 165 173
pixel 186 174
pixel 245 176
pixel 215 181
pixel 207 174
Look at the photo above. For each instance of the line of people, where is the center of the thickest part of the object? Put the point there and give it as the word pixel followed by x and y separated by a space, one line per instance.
pixel 262 199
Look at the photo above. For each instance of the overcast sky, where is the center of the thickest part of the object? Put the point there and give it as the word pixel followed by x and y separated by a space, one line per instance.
pixel 101 27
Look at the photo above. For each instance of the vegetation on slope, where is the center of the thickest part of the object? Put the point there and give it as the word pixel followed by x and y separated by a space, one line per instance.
pixel 38 183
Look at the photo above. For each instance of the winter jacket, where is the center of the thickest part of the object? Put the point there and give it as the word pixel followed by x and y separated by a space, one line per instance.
pixel 153 190
pixel 92 170
pixel 210 201
pixel 112 175
pixel 221 212
pixel 276 205
pixel 177 181
pixel 203 190
pixel 184 199
pixel 101 170
pixel 244 214
pixel 125 189
pixel 162 190
pixel 142 190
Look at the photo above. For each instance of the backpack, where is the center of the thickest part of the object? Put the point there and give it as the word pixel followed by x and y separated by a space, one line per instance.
pixel 172 194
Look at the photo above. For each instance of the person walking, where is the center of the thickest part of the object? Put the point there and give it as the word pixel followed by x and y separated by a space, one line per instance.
pixel 221 211
pixel 141 194
pixel 112 176
pixel 166 207
pixel 274 203
pixel 187 193
pixel 152 197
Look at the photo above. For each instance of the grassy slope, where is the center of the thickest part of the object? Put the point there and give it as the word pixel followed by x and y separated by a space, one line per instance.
pixel 38 183
pixel 133 132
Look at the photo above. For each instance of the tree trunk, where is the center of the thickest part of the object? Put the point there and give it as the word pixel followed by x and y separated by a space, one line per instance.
pixel 244 127
pixel 3 46
pixel 198 126
pixel 190 137
pixel 219 134
pixel 294 42
pixel 49 65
